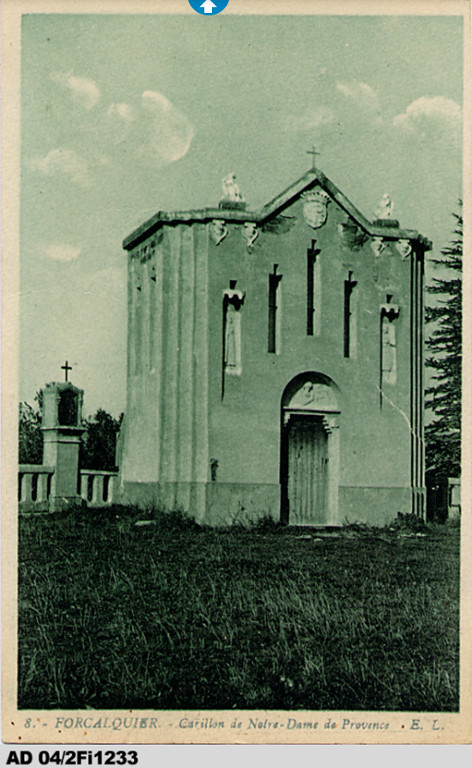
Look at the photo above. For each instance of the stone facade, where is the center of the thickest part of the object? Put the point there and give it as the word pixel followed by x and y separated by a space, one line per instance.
pixel 275 362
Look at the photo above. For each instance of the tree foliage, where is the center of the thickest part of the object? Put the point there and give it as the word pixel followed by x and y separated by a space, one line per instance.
pixel 99 441
pixel 97 450
pixel 444 344
pixel 30 435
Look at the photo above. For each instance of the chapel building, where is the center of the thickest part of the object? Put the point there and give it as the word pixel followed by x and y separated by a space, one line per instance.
pixel 275 361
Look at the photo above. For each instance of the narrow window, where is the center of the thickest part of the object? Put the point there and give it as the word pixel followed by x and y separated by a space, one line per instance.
pixel 274 312
pixel 311 255
pixel 349 319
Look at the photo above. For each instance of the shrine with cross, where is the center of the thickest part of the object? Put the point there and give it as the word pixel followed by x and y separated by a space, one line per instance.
pixel 62 430
pixel 275 363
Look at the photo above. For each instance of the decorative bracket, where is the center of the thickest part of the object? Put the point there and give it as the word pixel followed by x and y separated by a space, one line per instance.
pixel 378 245
pixel 218 230
pixel 404 248
pixel 250 234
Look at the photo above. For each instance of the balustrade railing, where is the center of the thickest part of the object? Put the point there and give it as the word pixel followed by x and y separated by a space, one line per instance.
pixel 97 487
pixel 34 485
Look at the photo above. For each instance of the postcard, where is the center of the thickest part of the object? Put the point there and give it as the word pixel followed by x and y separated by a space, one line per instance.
pixel 235 483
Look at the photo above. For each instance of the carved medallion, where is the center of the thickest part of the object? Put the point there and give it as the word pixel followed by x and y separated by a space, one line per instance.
pixel 250 233
pixel 315 207
pixel 218 231
pixel 403 248
pixel 378 245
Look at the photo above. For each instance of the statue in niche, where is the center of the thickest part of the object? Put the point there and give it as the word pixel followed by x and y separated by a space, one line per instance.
pixel 232 303
pixel 389 314
pixel 232 332
pixel 389 357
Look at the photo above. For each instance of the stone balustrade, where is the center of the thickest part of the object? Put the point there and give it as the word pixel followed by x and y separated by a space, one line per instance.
pixel 35 480
pixel 34 486
pixel 97 487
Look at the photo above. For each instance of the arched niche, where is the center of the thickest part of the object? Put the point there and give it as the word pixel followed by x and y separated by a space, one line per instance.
pixel 68 408
pixel 309 464
pixel 311 392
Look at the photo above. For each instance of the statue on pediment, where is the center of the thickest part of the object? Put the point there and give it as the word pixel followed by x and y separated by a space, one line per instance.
pixel 231 190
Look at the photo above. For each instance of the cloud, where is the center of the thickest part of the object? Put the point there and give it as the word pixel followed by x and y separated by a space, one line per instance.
pixel 362 95
pixel 150 128
pixel 84 91
pixel 65 162
pixel 62 252
pixel 429 111
pixel 124 111
pixel 156 101
pixel 168 133
pixel 119 120
pixel 314 118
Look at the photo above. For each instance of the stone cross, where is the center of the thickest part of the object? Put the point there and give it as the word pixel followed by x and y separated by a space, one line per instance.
pixel 66 368
pixel 313 152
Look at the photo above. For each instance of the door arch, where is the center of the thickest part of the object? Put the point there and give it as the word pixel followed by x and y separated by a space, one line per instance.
pixel 309 456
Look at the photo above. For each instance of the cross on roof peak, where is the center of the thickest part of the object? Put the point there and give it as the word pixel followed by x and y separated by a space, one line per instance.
pixel 313 152
pixel 66 368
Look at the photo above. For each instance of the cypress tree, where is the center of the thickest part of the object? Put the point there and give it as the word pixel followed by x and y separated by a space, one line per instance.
pixel 444 345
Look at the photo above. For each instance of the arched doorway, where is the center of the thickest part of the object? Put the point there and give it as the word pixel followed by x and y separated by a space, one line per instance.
pixel 309 466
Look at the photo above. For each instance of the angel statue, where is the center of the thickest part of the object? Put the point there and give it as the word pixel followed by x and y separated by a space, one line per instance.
pixel 231 189
pixel 385 209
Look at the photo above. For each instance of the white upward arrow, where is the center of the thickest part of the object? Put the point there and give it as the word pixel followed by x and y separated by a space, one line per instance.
pixel 207 6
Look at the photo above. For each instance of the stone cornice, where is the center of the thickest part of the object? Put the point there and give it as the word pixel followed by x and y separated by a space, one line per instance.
pixel 274 207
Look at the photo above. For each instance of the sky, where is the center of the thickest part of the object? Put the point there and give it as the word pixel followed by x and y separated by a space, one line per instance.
pixel 125 115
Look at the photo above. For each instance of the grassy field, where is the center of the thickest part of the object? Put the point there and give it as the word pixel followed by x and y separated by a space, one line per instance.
pixel 171 615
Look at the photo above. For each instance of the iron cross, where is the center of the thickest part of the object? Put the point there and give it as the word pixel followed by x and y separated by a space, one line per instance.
pixel 66 368
pixel 312 152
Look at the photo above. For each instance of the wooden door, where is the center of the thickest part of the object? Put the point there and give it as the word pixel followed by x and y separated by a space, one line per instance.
pixel 307 480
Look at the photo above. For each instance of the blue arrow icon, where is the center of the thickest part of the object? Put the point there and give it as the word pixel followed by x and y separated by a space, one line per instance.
pixel 208 7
